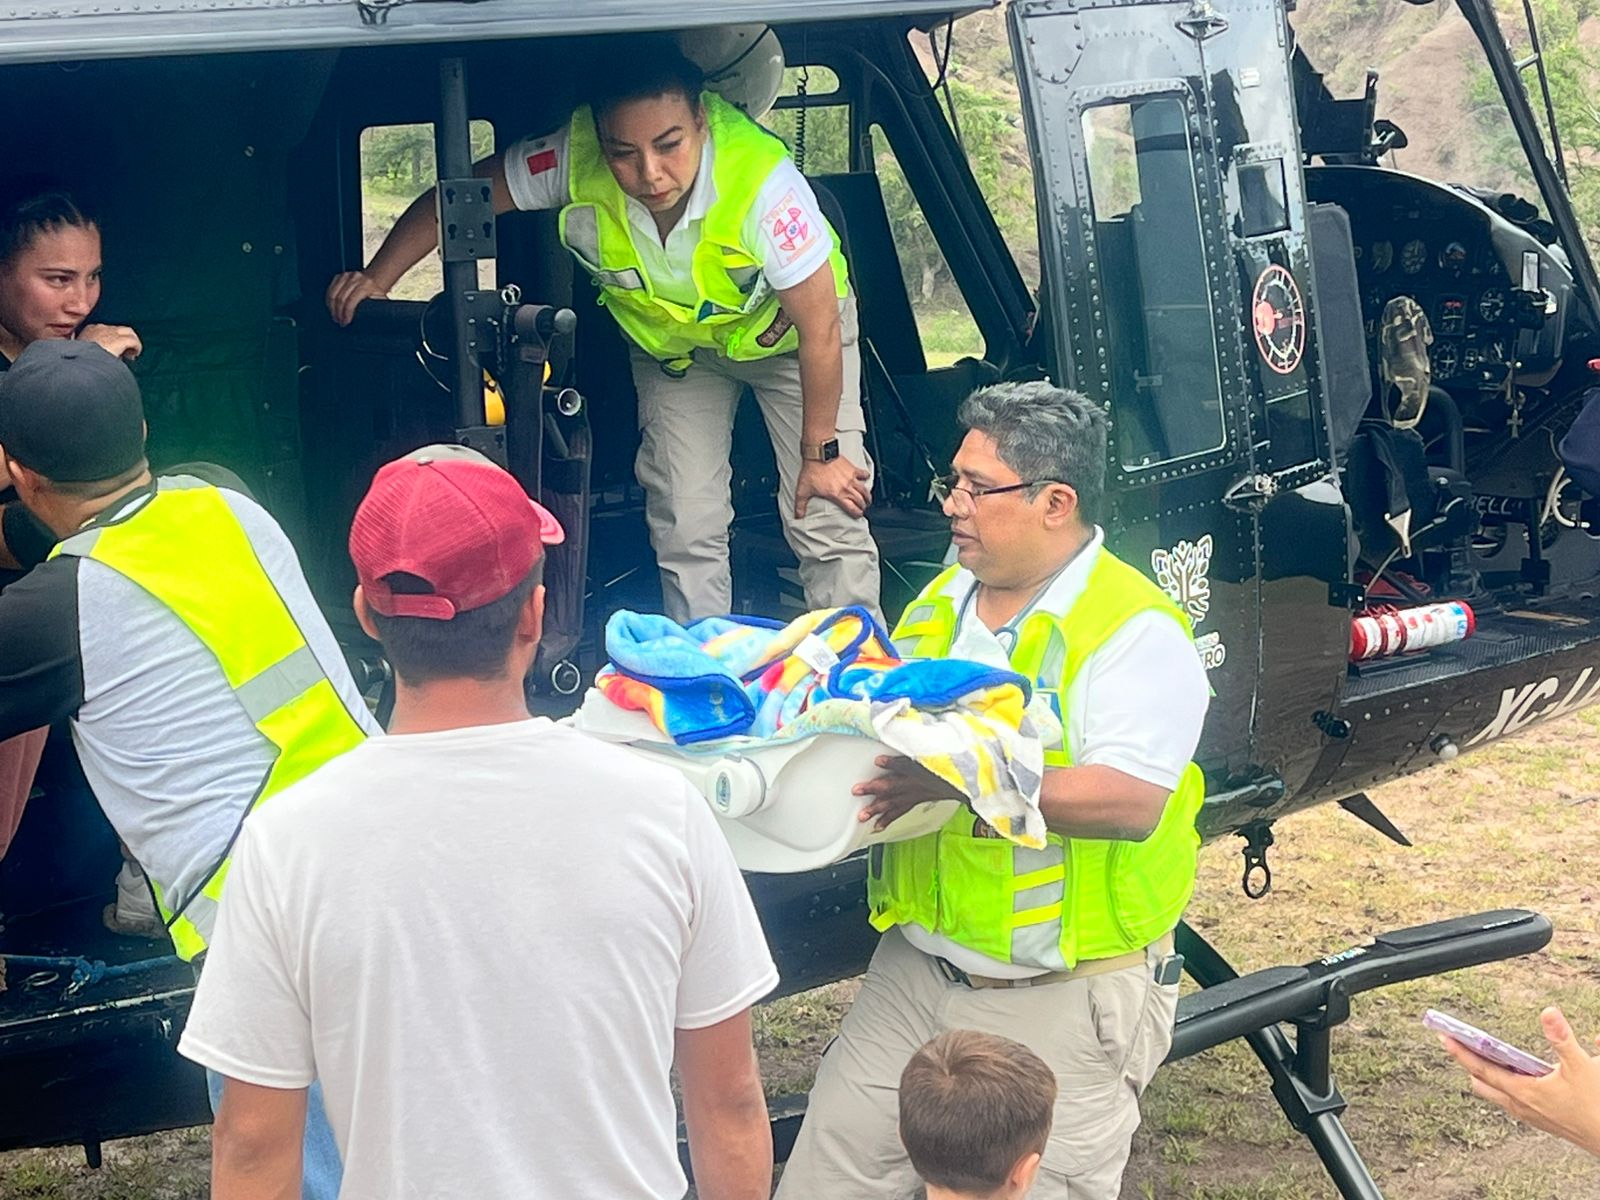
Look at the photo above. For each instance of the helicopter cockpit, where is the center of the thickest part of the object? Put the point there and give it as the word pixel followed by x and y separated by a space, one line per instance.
pixel 1502 347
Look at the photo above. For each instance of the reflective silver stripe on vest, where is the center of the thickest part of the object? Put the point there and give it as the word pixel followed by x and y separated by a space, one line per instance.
pixel 80 545
pixel 628 280
pixel 580 230
pixel 287 679
pixel 201 912
pixel 1025 860
pixel 1038 946
pixel 1039 896
pixel 1054 663
pixel 759 293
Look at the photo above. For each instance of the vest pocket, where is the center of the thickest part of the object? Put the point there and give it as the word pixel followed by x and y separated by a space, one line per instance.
pixel 1148 883
pixel 975 890
pixel 999 899
pixel 1128 891
pixel 903 883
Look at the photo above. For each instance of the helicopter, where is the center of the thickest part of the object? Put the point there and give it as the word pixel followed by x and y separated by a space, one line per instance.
pixel 1220 242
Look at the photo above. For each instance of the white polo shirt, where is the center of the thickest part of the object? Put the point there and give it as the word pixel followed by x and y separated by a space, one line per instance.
pixel 784 230
pixel 1136 705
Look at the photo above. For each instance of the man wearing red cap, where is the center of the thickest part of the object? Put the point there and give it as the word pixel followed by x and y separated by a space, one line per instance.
pixel 490 937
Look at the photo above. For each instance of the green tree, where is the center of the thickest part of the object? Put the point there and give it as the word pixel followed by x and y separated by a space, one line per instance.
pixel 1573 71
pixel 997 152
pixel 399 159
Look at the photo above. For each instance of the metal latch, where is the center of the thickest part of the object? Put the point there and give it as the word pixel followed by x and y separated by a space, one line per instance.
pixel 1251 493
pixel 1201 22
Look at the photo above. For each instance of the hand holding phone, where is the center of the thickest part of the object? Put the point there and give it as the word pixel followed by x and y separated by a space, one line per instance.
pixel 1486 1045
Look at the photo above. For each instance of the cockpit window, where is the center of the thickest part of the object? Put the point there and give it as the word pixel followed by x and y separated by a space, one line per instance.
pixel 1432 82
pixel 1166 397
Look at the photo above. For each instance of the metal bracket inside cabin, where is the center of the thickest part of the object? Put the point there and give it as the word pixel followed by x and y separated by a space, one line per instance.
pixel 466 219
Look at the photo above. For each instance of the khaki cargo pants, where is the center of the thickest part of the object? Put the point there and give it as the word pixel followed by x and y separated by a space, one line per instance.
pixel 1104 1036
pixel 685 437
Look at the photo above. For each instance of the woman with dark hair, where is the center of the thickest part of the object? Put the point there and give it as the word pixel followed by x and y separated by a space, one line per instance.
pixel 710 250
pixel 50 274
pixel 49 284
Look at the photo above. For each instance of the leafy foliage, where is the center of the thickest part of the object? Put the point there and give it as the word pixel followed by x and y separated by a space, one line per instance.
pixel 1573 72
pixel 399 159
pixel 997 151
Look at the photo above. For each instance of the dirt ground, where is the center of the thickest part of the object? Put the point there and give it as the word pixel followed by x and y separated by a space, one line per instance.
pixel 1516 825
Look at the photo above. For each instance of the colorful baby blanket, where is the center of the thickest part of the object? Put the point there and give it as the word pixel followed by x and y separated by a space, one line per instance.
pixel 834 671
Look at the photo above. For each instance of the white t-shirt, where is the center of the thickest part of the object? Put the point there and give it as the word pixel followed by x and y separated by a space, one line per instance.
pixel 784 231
pixel 1136 705
pixel 481 941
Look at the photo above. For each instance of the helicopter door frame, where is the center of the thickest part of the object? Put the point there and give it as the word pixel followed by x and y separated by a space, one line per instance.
pixel 1302 522
pixel 1141 287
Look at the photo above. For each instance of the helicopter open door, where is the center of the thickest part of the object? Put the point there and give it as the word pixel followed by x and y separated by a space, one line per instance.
pixel 1133 245
pixel 1174 223
pixel 1184 259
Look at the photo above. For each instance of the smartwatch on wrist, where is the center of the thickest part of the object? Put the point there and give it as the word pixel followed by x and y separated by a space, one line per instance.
pixel 824 452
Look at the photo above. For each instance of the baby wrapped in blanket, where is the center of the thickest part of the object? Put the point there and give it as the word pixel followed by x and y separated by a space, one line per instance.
pixel 978 728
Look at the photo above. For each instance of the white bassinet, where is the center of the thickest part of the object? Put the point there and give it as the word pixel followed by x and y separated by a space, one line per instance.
pixel 783 805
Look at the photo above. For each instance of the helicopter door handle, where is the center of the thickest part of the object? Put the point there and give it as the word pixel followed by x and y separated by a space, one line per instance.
pixel 1250 494
pixel 1201 22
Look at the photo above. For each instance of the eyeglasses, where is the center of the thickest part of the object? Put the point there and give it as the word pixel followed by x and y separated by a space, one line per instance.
pixel 965 500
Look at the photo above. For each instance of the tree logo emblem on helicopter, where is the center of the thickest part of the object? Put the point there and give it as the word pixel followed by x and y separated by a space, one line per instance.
pixel 1278 318
pixel 1183 573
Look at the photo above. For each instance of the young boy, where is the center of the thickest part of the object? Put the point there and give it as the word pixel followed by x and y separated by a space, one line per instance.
pixel 975 1111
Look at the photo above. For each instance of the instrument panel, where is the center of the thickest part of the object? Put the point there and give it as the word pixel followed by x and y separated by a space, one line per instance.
pixel 1496 297
pixel 1455 275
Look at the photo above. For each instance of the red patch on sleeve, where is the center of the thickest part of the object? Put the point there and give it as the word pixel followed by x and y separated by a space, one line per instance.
pixel 541 162
pixel 790 227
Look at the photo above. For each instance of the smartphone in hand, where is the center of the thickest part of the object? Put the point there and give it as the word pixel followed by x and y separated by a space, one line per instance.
pixel 1486 1045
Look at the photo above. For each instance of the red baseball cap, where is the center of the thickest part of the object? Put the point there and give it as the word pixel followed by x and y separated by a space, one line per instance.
pixel 455 520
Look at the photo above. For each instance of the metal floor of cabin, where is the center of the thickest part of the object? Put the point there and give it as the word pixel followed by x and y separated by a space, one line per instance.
pixel 72 931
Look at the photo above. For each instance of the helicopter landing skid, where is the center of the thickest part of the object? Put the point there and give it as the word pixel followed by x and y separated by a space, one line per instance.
pixel 1316 997
pixel 1313 998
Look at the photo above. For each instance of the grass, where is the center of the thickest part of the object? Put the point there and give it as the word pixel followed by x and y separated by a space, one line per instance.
pixel 1514 825
pixel 1508 827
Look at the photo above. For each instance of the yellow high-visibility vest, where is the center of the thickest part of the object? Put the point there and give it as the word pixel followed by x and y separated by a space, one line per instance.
pixel 187 550
pixel 1077 898
pixel 734 306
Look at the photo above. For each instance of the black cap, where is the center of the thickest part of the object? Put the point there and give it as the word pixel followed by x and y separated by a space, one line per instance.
pixel 71 411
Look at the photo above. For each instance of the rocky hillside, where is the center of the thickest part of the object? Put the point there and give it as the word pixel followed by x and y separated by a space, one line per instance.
pixel 1432 82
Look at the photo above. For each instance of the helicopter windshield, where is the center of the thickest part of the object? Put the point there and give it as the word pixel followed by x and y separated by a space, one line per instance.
pixel 1434 84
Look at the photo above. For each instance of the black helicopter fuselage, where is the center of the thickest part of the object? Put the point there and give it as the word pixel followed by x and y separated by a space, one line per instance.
pixel 1210 221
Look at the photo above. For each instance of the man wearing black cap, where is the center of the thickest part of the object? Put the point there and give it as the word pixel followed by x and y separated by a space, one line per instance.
pixel 174 627
pixel 26 540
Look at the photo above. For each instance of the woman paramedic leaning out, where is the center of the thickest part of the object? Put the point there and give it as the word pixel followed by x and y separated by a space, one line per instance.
pixel 710 251
pixel 49 284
